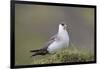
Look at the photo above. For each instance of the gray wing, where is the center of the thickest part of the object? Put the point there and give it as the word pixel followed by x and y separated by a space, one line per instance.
pixel 50 41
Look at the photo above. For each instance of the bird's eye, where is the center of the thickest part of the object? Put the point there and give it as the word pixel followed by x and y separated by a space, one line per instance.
pixel 62 24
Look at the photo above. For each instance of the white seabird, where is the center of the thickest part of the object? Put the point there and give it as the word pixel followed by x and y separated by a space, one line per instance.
pixel 55 43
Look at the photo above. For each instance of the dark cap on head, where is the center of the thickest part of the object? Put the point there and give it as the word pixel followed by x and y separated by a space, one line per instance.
pixel 62 24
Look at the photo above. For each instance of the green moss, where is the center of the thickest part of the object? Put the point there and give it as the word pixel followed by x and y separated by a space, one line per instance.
pixel 65 56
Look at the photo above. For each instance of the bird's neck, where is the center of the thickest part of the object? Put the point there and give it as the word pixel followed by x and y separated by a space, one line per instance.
pixel 63 35
pixel 62 32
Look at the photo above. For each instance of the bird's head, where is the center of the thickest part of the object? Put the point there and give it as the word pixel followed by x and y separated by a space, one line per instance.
pixel 62 26
pixel 62 29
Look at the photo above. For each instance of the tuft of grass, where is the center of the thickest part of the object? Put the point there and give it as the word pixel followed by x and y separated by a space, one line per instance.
pixel 65 56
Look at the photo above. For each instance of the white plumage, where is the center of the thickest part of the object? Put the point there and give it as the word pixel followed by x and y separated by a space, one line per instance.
pixel 55 43
pixel 61 40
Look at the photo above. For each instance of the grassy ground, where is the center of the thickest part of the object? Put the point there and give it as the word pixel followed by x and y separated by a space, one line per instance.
pixel 65 56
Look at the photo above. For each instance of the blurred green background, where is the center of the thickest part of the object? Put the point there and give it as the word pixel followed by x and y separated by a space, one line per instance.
pixel 35 24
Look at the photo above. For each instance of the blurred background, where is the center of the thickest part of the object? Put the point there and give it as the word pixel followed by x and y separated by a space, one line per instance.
pixel 35 24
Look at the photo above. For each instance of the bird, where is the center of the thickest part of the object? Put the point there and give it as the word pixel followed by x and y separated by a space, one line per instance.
pixel 56 43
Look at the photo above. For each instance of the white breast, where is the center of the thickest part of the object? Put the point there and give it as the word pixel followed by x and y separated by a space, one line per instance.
pixel 60 44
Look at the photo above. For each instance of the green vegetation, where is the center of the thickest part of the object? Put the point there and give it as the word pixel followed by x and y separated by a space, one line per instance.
pixel 65 56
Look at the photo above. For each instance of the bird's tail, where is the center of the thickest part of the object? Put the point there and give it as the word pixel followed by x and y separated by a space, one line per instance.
pixel 34 50
pixel 39 52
